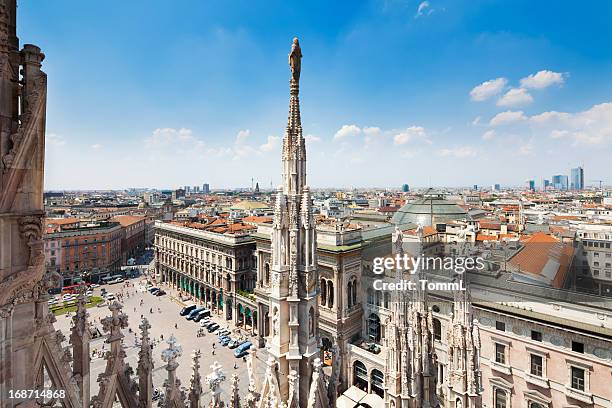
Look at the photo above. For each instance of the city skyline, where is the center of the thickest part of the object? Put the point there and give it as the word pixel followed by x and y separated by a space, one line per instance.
pixel 477 85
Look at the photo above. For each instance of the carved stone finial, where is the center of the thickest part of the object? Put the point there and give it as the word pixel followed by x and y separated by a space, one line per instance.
pixel 173 351
pixel 195 384
pixel 214 380
pixel 295 60
pixel 235 398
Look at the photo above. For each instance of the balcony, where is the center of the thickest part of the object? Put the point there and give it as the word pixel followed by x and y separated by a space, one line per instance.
pixel 578 395
pixel 535 380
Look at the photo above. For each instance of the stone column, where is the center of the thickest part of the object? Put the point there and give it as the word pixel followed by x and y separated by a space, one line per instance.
pixel 79 339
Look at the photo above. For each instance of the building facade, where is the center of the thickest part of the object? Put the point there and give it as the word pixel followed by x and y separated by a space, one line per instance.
pixel 86 251
pixel 134 229
pixel 216 269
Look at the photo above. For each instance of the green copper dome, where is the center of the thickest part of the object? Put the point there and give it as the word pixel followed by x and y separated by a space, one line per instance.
pixel 421 210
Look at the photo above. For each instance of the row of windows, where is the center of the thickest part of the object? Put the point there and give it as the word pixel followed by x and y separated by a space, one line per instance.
pixel 501 400
pixel 596 244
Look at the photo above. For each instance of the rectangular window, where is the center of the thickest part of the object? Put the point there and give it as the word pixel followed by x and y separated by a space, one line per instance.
pixel 578 347
pixel 501 326
pixel 578 378
pixel 536 335
pixel 500 353
pixel 536 365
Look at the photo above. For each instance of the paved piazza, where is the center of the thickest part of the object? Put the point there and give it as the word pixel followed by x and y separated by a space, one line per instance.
pixel 163 319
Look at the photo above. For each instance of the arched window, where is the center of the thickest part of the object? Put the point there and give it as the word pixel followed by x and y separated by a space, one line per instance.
pixel 378 296
pixel 354 292
pixel 387 298
pixel 370 296
pixel 437 330
pixel 378 382
pixel 330 294
pixel 500 398
pixel 349 295
pixel 360 376
pixel 374 331
pixel 535 405
pixel 323 292
pixel 267 273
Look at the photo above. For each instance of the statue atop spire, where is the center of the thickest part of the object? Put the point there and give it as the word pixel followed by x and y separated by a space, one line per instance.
pixel 295 60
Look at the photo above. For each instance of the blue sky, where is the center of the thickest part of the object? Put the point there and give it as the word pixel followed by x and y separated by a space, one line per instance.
pixel 443 93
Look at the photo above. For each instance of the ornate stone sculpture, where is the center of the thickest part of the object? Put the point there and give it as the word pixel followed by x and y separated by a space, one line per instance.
pixel 214 380
pixel 295 59
pixel 195 384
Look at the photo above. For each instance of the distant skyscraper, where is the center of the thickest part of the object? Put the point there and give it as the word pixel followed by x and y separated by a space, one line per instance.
pixel 545 184
pixel 577 179
pixel 531 184
pixel 187 189
pixel 405 188
pixel 559 181
pixel 475 187
pixel 496 187
pixel 205 188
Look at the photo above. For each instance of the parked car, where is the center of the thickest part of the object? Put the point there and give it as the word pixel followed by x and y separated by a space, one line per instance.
pixel 160 292
pixel 205 321
pixel 152 288
pixel 243 349
pixel 223 332
pixel 89 293
pixel 194 313
pixel 213 327
pixel 235 343
pixel 200 315
pixel 187 309
pixel 224 341
pixel 94 285
pixel 154 291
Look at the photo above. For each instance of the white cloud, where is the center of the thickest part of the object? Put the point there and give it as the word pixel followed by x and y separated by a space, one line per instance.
pixel 242 136
pixel 507 118
pixel 549 117
pixel 589 127
pixel 270 144
pixel 543 79
pixel 409 134
pixel 347 131
pixel 167 136
pixel 372 131
pixel 54 140
pixel 526 148
pixel 476 121
pixel 312 138
pixel 488 89
pixel 559 134
pixel 461 152
pixel 515 97
pixel 96 146
pixel 422 9
pixel 488 135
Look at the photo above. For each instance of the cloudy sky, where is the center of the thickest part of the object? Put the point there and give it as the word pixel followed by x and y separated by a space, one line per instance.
pixel 442 93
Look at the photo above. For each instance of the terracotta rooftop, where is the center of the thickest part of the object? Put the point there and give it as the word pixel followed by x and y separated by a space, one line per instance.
pixel 126 220
pixel 257 220
pixel 544 256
